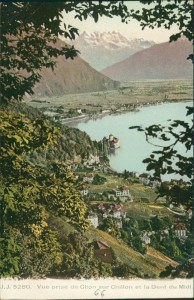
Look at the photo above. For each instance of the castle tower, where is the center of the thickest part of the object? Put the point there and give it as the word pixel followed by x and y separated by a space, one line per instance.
pixel 111 137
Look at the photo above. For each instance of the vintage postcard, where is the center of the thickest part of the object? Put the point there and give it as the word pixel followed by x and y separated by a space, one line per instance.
pixel 96 161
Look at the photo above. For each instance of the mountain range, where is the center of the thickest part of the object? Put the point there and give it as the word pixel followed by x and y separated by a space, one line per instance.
pixel 71 76
pixel 160 61
pixel 102 49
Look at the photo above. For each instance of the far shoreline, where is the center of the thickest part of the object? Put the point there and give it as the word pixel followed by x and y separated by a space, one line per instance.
pixel 79 119
pixel 130 96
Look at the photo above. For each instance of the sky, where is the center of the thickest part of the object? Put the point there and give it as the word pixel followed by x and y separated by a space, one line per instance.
pixel 130 30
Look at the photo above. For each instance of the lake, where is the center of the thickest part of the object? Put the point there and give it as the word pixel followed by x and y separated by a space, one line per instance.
pixel 133 146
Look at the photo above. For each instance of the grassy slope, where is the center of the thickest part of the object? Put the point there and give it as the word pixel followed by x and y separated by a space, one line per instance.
pixel 135 209
pixel 150 264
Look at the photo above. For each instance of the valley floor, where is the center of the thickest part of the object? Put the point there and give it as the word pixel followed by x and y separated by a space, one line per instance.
pixel 129 96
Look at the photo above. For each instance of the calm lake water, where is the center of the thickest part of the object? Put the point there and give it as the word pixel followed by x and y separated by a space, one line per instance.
pixel 133 146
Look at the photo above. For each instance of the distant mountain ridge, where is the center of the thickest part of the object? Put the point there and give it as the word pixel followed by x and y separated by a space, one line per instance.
pixel 71 76
pixel 102 49
pixel 161 61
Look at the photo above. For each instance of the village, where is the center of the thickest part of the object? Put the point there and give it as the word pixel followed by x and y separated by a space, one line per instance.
pixel 127 97
pixel 122 198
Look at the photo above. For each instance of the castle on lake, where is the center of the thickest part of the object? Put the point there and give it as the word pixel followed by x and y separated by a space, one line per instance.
pixel 113 142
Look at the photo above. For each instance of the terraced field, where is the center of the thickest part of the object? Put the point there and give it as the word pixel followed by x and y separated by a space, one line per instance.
pixel 149 265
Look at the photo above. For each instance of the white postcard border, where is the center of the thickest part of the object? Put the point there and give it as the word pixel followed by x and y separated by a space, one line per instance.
pixel 45 289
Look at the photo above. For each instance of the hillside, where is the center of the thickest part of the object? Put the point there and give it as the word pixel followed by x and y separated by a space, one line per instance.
pixel 102 49
pixel 71 76
pixel 140 266
pixel 46 214
pixel 73 144
pixel 150 264
pixel 161 61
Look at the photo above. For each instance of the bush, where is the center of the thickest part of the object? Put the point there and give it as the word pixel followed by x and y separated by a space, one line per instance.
pixel 99 179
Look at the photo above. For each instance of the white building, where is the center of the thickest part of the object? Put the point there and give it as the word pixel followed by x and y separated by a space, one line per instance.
pixel 88 178
pixel 180 230
pixel 94 220
pixel 189 213
pixel 119 223
pixel 117 214
pixel 113 142
pixel 123 193
pixel 84 192
pixel 146 239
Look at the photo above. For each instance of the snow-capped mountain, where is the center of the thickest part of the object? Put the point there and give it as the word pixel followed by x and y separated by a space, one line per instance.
pixel 102 49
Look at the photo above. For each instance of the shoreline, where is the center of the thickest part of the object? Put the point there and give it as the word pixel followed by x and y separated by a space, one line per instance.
pixel 137 107
pixel 69 108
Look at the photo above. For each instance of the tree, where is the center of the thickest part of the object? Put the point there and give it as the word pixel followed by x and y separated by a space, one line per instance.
pixel 110 225
pixel 188 247
pixel 138 245
pixel 98 179
pixel 29 194
pixel 32 27
pixel 167 13
pixel 168 160
pixel 170 247
pixel 184 270
pixel 157 223
pixel 145 224
pixel 35 28
pixel 79 260
pixel 178 132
